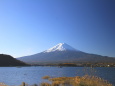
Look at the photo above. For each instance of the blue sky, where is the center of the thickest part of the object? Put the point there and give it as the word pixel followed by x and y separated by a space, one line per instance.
pixel 31 26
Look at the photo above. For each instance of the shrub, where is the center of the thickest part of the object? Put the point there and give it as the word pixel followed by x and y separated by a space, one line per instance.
pixel 78 81
pixel 46 77
pixel 45 84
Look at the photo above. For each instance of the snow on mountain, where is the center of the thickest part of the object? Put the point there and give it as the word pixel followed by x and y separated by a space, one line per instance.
pixel 61 47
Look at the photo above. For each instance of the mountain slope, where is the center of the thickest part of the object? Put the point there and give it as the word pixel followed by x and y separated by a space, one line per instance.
pixel 63 53
pixel 7 60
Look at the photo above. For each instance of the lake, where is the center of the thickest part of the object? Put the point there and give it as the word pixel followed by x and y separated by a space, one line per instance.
pixel 33 75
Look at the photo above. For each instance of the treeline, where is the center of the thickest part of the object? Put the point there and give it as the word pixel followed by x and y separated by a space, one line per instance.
pixel 79 64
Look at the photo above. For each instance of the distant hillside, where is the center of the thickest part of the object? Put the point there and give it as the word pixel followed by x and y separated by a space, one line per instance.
pixel 63 53
pixel 7 60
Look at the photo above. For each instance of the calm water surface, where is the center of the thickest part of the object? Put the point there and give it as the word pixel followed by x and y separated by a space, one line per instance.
pixel 33 75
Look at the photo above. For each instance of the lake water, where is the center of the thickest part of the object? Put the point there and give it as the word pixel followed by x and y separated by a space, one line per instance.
pixel 33 75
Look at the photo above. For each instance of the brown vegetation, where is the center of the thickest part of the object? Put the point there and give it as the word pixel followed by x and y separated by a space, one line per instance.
pixel 46 77
pixel 77 81
pixel 2 84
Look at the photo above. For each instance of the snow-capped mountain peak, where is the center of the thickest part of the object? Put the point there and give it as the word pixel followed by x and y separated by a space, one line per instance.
pixel 61 47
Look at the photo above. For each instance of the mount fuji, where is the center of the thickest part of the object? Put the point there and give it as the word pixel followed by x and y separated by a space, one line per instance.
pixel 64 53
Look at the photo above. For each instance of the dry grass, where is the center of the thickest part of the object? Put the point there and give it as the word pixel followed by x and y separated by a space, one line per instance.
pixel 46 77
pixel 45 84
pixel 2 84
pixel 77 81
pixel 91 81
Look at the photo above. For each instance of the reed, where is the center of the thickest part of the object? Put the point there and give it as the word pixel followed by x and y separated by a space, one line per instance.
pixel 86 80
